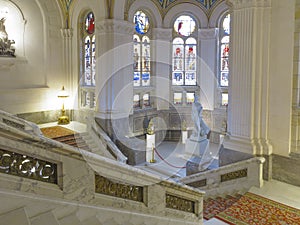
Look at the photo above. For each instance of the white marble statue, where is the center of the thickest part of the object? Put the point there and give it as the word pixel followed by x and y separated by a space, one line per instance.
pixel 5 44
pixel 200 128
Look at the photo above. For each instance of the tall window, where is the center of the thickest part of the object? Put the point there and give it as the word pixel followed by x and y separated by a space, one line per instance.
pixel 224 58
pixel 184 63
pixel 141 59
pixel 88 61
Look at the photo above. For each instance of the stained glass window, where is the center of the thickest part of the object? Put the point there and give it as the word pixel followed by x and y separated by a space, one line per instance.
pixel 185 25
pixel 184 63
pixel 88 61
pixel 190 97
pixel 141 59
pixel 136 101
pixel 146 100
pixel 177 98
pixel 224 51
pixel 141 22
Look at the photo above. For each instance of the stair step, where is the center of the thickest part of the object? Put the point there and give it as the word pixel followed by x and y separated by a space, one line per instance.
pixel 15 217
pixel 46 219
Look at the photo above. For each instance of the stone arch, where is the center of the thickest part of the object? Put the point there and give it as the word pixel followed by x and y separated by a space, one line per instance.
pixel 150 8
pixel 217 13
pixel 190 9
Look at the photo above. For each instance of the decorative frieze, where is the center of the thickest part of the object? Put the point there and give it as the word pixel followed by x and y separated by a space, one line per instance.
pixel 234 175
pixel 25 166
pixel 175 202
pixel 126 191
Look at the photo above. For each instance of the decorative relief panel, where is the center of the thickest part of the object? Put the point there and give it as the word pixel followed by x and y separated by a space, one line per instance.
pixel 108 187
pixel 174 202
pixel 234 175
pixel 24 166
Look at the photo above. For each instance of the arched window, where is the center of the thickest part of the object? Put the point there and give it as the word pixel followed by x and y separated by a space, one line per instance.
pixel 184 63
pixel 184 60
pixel 141 59
pixel 224 58
pixel 87 61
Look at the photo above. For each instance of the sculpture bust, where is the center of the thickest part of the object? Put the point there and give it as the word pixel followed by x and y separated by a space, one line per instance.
pixel 200 128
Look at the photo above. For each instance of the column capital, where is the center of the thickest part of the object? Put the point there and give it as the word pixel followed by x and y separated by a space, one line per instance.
pixel 208 33
pixel 67 32
pixel 114 26
pixel 162 34
pixel 238 4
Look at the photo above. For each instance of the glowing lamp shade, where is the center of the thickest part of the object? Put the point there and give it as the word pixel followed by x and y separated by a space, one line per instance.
pixel 63 93
pixel 63 119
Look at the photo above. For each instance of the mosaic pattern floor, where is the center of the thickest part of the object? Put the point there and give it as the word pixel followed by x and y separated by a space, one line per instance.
pixel 256 210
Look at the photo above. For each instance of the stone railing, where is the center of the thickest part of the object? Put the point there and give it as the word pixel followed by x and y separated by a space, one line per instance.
pixel 19 124
pixel 228 179
pixel 45 175
pixel 106 141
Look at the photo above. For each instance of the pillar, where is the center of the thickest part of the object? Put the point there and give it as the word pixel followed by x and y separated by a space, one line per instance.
pixel 248 110
pixel 114 87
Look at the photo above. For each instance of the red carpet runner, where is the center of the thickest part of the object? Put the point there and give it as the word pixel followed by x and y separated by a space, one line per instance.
pixel 256 210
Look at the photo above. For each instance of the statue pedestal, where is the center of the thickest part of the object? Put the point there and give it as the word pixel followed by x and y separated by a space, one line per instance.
pixel 197 148
pixel 197 151
pixel 184 135
pixel 150 139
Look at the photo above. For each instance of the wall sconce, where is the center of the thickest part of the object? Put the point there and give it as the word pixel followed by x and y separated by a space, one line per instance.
pixel 63 119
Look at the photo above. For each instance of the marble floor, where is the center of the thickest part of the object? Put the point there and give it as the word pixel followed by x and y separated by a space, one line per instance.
pixel 171 158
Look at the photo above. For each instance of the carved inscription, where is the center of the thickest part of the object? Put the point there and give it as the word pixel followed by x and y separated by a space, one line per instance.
pixel 234 175
pixel 174 202
pixel 108 187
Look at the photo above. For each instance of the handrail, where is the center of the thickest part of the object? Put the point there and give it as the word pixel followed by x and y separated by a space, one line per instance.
pixel 114 150
pixel 222 180
pixel 19 123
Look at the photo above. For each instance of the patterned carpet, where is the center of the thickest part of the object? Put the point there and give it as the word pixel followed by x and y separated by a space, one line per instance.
pixel 56 131
pixel 213 206
pixel 256 210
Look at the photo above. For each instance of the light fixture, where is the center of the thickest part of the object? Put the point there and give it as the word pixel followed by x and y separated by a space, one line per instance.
pixel 63 119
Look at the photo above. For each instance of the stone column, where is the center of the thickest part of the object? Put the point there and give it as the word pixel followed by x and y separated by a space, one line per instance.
pixel 114 87
pixel 207 79
pixel 249 77
pixel 72 79
pixel 162 58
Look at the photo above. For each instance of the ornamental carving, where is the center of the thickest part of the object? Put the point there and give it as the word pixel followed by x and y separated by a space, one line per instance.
pixel 234 175
pixel 126 191
pixel 25 166
pixel 174 202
